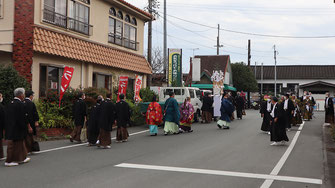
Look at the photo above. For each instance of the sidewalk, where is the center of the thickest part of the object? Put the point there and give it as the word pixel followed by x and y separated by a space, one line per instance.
pixel 329 158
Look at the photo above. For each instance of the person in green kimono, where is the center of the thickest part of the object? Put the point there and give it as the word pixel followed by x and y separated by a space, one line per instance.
pixel 171 115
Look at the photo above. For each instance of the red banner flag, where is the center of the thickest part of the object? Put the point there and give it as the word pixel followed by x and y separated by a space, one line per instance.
pixel 138 86
pixel 123 84
pixel 66 79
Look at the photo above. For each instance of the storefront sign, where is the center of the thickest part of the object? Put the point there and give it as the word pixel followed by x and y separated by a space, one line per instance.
pixel 175 67
pixel 123 84
pixel 66 79
pixel 138 86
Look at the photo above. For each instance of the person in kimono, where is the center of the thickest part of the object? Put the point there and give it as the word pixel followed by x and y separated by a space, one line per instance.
pixel 123 114
pixel 2 125
pixel 278 124
pixel 171 115
pixel 288 108
pixel 307 108
pixel 93 129
pixel 106 121
pixel 329 109
pixel 239 105
pixel 33 119
pixel 265 111
pixel 226 109
pixel 16 129
pixel 154 116
pixel 186 115
pixel 79 111
pixel 207 109
pixel 296 119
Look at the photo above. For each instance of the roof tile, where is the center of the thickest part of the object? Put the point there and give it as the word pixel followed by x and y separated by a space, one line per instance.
pixel 54 43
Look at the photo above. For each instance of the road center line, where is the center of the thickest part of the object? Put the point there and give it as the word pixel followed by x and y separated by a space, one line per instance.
pixel 77 145
pixel 268 182
pixel 221 173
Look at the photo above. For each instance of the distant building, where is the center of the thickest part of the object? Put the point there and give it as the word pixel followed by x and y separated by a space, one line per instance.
pixel 101 39
pixel 296 79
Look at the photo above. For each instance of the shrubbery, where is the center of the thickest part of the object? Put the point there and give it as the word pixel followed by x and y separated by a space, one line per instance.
pixel 9 81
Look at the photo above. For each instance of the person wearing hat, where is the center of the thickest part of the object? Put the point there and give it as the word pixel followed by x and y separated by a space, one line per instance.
pixel 265 111
pixel 227 108
pixel 278 126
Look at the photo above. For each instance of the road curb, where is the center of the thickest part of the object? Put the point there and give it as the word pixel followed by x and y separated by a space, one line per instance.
pixel 326 141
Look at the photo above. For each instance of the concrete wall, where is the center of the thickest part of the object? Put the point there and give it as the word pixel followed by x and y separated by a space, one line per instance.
pixel 99 18
pixel 7 25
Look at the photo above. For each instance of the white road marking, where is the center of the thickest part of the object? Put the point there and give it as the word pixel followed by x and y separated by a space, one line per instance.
pixel 268 182
pixel 77 145
pixel 221 173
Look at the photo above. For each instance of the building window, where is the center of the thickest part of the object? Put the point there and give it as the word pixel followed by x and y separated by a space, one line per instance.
pixel 133 21
pixel 130 37
pixel 77 19
pixel 112 11
pixel 120 15
pixel 1 8
pixel 131 85
pixel 55 12
pixel 102 81
pixel 50 79
pixel 127 18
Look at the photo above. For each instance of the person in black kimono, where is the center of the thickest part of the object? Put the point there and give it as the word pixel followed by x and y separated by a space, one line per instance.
pixel 16 129
pixel 107 120
pixel 288 107
pixel 232 100
pixel 239 105
pixel 2 124
pixel 278 124
pixel 265 111
pixel 33 119
pixel 93 122
pixel 79 111
pixel 329 108
pixel 207 109
pixel 123 119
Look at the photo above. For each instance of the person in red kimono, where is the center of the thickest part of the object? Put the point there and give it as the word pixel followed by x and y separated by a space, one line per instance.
pixel 154 116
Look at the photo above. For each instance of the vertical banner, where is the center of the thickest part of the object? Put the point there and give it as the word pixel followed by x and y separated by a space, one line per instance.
pixel 66 79
pixel 196 69
pixel 123 84
pixel 138 86
pixel 175 67
pixel 218 84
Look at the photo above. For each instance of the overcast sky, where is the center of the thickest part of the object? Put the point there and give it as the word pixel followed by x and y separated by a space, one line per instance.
pixel 271 17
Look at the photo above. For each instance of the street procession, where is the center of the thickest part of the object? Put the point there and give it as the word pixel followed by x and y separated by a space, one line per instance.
pixel 167 93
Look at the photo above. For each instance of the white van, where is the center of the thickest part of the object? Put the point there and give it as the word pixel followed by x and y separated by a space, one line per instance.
pixel 180 95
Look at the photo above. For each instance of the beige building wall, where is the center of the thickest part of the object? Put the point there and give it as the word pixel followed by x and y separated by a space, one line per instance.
pixel 83 72
pixel 99 18
pixel 6 25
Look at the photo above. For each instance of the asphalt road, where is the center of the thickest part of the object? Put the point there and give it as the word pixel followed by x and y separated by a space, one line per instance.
pixel 208 157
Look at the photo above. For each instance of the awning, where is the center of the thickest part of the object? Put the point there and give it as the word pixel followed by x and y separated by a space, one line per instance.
pixel 210 86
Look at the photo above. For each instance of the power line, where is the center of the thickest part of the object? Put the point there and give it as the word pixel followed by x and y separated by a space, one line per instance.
pixel 256 34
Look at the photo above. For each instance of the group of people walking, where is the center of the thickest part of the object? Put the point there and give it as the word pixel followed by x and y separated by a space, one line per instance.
pixel 103 116
pixel 280 115
pixel 18 120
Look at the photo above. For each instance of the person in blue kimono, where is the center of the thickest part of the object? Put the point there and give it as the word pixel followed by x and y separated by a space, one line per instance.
pixel 227 108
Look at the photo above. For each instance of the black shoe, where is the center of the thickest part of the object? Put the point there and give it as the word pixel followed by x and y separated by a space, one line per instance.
pixel 190 131
pixel 226 128
pixel 219 126
pixel 71 139
pixel 165 134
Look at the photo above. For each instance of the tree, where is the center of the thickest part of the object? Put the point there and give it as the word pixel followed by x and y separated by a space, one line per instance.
pixel 243 78
pixel 9 81
pixel 157 61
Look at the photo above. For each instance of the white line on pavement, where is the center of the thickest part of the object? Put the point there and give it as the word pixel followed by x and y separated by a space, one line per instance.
pixel 221 173
pixel 268 182
pixel 71 146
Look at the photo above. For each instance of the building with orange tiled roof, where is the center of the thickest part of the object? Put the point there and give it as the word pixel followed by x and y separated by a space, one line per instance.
pixel 101 39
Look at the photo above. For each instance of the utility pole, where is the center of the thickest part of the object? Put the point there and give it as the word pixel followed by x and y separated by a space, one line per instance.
pixel 165 44
pixel 218 46
pixel 255 69
pixel 262 79
pixel 249 58
pixel 275 57
pixel 150 42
